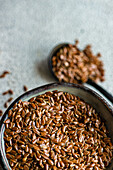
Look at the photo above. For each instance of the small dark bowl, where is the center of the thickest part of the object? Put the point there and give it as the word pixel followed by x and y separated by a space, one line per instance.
pixel 89 81
pixel 88 95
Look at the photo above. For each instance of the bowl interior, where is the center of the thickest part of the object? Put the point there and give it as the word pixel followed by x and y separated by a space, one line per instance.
pixel 84 93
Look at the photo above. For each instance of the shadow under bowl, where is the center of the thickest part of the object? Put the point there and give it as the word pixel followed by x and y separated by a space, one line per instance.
pixel 88 95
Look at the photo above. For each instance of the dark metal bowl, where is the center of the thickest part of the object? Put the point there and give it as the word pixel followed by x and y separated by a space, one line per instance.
pixel 88 95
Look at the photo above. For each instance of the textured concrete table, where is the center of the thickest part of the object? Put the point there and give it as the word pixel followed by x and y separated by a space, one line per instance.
pixel 30 29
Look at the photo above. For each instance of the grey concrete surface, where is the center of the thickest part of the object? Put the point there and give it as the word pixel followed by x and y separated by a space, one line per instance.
pixel 30 29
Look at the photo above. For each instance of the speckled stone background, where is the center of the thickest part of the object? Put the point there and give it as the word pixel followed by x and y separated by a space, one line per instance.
pixel 30 29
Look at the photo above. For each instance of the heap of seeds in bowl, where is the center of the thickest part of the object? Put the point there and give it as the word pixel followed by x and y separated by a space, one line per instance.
pixel 56 130
pixel 77 66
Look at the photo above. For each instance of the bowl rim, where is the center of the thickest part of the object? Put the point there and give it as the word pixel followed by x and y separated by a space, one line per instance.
pixel 48 87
